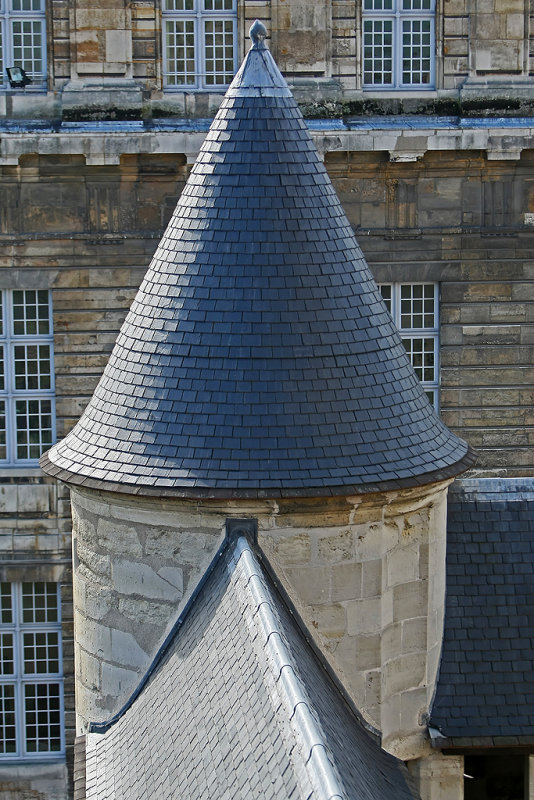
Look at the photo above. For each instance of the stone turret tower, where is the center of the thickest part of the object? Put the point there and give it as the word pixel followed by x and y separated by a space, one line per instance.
pixel 258 375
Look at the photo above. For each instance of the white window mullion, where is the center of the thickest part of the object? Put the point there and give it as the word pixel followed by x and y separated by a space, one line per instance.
pixel 200 78
pixel 398 50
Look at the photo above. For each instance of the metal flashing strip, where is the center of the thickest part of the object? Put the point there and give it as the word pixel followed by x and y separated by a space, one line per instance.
pixel 306 729
pixel 323 124
pixel 494 489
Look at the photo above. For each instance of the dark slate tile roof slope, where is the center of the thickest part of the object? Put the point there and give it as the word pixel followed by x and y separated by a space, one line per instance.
pixel 239 708
pixel 258 356
pixel 486 684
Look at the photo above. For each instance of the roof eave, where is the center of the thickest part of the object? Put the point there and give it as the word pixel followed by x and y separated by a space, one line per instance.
pixel 247 493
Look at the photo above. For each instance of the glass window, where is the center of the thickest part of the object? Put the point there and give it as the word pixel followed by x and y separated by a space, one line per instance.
pixel 26 376
pixel 23 40
pixel 199 43
pixel 398 44
pixel 414 308
pixel 31 678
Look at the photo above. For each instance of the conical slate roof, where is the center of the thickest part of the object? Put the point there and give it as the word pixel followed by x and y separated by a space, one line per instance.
pixel 258 357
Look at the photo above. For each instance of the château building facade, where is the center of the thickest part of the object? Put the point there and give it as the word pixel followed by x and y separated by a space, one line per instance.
pixel 423 114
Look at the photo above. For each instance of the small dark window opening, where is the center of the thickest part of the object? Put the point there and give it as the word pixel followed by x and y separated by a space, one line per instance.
pixel 495 777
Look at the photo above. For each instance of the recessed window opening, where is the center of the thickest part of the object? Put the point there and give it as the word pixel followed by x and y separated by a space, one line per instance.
pixel 495 777
pixel 414 308
pixel 199 43
pixel 398 44
pixel 26 376
pixel 23 40
pixel 31 676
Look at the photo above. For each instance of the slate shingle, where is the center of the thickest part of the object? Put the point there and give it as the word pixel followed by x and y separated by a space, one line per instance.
pixel 240 707
pixel 486 681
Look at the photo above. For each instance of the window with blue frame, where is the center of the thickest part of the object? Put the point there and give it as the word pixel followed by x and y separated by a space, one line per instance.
pixel 26 376
pixel 414 308
pixel 31 674
pixel 23 40
pixel 398 44
pixel 199 43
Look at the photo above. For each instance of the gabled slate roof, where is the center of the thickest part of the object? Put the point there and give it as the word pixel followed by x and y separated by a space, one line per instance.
pixel 239 707
pixel 485 693
pixel 258 357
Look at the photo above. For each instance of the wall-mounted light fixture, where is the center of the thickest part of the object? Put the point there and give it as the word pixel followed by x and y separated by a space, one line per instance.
pixel 17 77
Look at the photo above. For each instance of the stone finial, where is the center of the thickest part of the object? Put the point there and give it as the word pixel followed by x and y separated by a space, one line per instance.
pixel 257 33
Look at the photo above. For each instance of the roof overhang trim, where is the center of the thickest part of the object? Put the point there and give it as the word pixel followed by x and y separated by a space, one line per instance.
pixel 159 489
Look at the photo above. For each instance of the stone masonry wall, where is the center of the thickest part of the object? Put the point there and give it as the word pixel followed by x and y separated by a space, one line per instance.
pixel 105 60
pixel 367 574
pixel 464 222
pixel 86 228
pixel 88 233
pixel 135 563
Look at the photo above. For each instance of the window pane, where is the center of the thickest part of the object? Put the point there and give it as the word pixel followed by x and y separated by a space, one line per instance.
pixel 39 602
pixel 179 5
pixel 414 307
pixel 28 5
pixel 219 5
pixel 41 652
pixel 42 717
pixel 423 358
pixel 378 5
pixel 417 306
pixel 7 654
pixel 378 52
pixel 33 422
pixel 6 603
pixel 219 63
pixel 416 51
pixel 3 441
pixel 27 42
pixel 8 730
pixel 2 369
pixel 180 52
pixel 417 5
pixel 31 313
pixel 30 651
pixel 32 366
pixel 385 291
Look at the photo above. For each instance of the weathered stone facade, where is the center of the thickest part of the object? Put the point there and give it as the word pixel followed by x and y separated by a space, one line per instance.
pixel 81 211
pixel 105 60
pixel 366 573
pixel 88 232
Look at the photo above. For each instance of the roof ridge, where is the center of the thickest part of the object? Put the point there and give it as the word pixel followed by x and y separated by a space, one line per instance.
pixel 307 729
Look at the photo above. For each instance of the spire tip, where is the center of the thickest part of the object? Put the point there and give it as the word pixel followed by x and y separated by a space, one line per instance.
pixel 257 33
